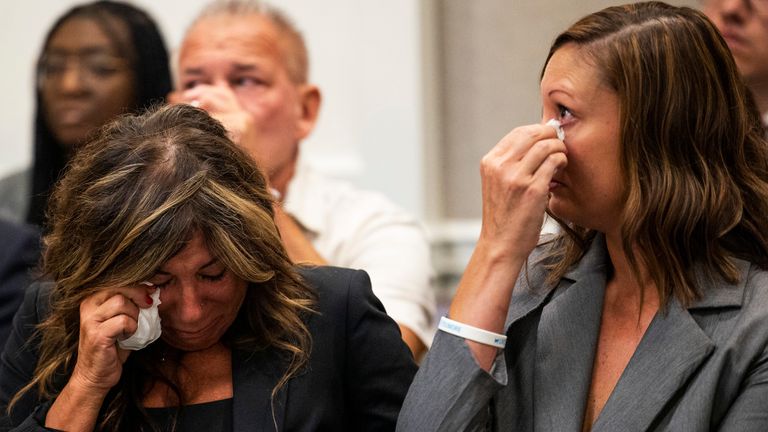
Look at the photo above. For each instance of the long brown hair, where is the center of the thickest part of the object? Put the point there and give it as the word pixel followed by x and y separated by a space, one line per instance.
pixel 694 158
pixel 129 202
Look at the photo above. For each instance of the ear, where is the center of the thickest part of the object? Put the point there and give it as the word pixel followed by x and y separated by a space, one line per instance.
pixel 309 103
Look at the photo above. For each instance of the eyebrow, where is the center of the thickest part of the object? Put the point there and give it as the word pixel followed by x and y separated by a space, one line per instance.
pixel 560 90
pixel 86 51
pixel 238 67
pixel 202 267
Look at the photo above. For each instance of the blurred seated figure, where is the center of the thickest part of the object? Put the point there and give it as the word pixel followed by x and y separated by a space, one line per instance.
pixel 99 60
pixel 744 25
pixel 162 216
pixel 18 258
pixel 244 62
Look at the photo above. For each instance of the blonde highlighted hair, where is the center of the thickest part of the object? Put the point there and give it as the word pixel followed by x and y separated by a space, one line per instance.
pixel 130 201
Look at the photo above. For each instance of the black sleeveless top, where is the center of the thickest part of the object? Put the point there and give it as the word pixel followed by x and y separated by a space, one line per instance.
pixel 213 416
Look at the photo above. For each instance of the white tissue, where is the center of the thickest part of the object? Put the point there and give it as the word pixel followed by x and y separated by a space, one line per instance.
pixel 558 128
pixel 149 326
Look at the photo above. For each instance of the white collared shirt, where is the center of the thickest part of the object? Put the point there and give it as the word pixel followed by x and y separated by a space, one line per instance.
pixel 364 230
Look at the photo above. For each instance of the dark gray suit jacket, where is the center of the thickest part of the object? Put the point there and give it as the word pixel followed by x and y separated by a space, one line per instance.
pixel 699 368
pixel 358 372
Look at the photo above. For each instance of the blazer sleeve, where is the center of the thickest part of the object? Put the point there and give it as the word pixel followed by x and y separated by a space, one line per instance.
pixel 749 412
pixel 379 366
pixel 18 362
pixel 451 392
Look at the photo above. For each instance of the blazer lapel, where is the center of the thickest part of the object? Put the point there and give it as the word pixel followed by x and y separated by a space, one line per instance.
pixel 671 350
pixel 567 338
pixel 254 375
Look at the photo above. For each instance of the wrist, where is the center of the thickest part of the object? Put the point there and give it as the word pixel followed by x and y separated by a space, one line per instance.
pixel 500 253
pixel 86 388
pixel 76 408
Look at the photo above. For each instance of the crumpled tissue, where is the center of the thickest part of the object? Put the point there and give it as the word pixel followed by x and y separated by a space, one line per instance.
pixel 558 128
pixel 149 326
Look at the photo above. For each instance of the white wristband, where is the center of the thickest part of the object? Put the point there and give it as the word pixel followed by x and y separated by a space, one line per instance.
pixel 472 333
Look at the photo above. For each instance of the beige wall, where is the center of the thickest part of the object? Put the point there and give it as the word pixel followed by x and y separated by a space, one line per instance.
pixel 490 53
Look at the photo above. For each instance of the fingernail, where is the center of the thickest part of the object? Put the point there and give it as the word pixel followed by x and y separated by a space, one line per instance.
pixel 149 300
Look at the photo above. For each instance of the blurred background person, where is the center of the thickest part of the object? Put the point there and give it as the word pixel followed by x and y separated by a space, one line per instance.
pixel 249 341
pixel 18 260
pixel 245 63
pixel 99 60
pixel 744 25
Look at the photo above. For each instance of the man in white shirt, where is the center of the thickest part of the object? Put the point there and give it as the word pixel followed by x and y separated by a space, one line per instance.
pixel 744 26
pixel 246 64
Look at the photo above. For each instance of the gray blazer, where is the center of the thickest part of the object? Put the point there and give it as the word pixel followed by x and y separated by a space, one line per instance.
pixel 699 368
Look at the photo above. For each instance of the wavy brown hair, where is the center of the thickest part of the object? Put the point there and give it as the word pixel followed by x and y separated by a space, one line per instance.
pixel 129 202
pixel 694 157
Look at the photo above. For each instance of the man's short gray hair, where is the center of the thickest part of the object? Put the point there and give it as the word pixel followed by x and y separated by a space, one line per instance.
pixel 294 49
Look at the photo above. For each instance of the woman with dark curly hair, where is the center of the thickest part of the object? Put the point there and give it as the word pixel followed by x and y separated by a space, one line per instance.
pixel 163 213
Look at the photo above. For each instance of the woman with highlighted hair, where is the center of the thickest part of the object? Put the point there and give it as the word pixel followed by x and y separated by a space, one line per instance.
pixel 650 310
pixel 162 216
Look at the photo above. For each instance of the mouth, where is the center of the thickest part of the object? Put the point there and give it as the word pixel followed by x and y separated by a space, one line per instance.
pixel 193 334
pixel 70 115
pixel 734 40
pixel 555 184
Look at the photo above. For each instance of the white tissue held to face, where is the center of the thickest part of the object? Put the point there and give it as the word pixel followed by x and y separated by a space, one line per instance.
pixel 148 327
pixel 558 128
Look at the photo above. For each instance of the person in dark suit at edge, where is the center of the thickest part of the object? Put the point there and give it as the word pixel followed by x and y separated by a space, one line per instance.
pixel 19 256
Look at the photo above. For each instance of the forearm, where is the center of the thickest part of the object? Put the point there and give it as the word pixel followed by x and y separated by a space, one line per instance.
pixel 298 246
pixel 75 409
pixel 413 341
pixel 483 295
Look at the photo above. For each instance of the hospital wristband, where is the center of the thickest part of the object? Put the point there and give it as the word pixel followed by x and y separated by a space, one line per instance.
pixel 472 333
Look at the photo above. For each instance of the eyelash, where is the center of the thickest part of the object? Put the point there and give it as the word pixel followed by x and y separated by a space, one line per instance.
pixel 214 278
pixel 207 278
pixel 563 111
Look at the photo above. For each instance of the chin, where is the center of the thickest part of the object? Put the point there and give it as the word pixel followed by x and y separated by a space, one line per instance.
pixel 190 346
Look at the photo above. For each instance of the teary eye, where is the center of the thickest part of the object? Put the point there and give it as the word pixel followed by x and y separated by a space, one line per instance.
pixel 564 113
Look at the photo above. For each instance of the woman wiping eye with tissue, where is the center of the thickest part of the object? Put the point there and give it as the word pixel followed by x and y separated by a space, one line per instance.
pixel 172 304
pixel 648 311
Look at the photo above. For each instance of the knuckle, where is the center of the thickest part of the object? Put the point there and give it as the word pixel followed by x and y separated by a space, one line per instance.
pixel 530 132
pixel 126 322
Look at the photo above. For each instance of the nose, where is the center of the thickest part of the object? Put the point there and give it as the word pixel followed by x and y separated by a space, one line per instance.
pixel 221 83
pixel 72 80
pixel 190 305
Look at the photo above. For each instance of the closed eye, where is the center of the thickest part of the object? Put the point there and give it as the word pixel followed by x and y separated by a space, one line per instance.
pixel 214 277
pixel 162 284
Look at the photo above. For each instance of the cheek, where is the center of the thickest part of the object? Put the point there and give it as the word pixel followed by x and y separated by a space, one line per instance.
pixel 115 97
pixel 270 114
pixel 231 291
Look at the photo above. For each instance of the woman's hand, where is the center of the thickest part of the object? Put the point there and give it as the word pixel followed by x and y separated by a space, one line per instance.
pixel 105 318
pixel 516 175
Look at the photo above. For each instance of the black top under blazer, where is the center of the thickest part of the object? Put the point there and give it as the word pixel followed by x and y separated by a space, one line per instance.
pixel 356 379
